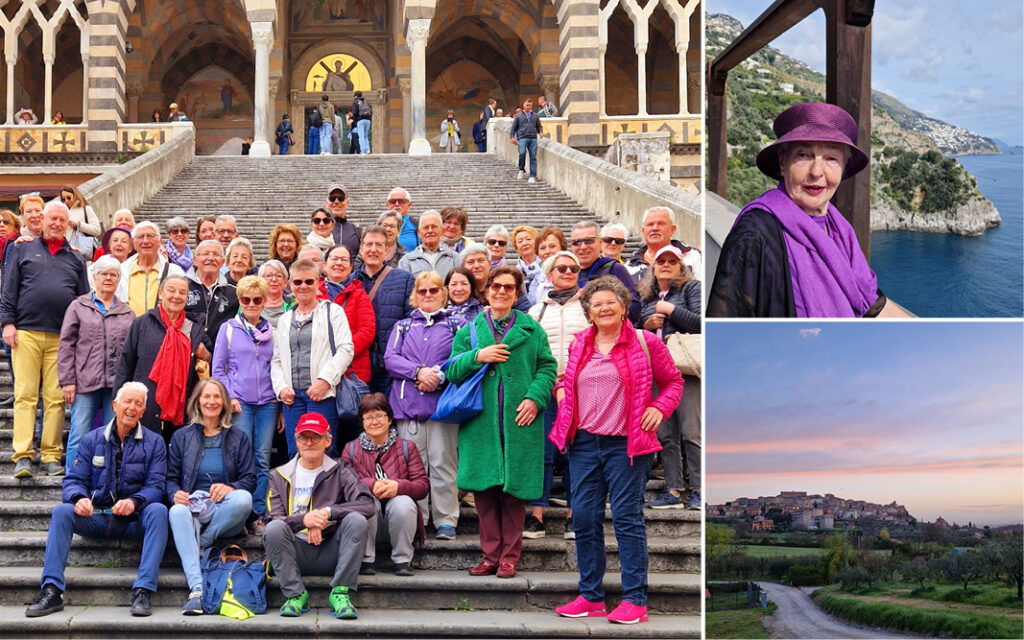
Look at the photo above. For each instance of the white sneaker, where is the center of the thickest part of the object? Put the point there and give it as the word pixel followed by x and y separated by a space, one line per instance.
pixel 521 175
pixel 532 180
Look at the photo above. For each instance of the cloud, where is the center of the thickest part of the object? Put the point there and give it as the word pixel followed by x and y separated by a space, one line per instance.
pixel 810 334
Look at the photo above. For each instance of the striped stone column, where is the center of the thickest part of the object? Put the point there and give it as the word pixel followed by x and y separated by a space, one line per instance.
pixel 580 70
pixel 108 25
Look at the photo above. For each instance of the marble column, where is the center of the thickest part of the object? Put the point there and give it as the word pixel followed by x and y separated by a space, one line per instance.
pixel 262 40
pixel 416 37
pixel 641 79
pixel 12 60
pixel 48 61
pixel 85 83
pixel 405 86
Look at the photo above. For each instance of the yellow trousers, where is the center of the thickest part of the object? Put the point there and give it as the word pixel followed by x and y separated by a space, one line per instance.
pixel 35 357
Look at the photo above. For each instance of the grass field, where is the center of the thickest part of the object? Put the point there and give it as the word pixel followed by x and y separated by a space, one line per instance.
pixel 774 551
pixel 737 623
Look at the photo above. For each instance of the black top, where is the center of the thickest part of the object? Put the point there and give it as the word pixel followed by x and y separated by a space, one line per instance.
pixel 39 287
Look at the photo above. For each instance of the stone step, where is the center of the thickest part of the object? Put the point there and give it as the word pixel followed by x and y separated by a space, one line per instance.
pixel 674 593
pixel 25 548
pixel 167 622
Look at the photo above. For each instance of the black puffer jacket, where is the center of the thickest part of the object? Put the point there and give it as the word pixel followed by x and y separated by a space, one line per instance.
pixel 685 318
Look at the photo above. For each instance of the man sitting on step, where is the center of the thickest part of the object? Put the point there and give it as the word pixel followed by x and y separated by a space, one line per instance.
pixel 113 491
pixel 317 510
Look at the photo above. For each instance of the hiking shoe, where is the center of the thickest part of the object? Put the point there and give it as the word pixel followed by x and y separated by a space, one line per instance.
pixel 50 600
pixel 403 569
pixel 521 175
pixel 666 500
pixel 140 603
pixel 533 528
pixel 628 613
pixel 339 604
pixel 445 532
pixel 694 504
pixel 194 605
pixel 582 608
pixel 569 534
pixel 23 468
pixel 296 606
pixel 51 469
pixel 366 569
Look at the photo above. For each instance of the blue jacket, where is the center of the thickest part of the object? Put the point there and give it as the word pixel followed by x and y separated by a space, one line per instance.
pixel 140 478
pixel 408 237
pixel 186 451
pixel 415 344
pixel 391 302
pixel 242 365
pixel 39 287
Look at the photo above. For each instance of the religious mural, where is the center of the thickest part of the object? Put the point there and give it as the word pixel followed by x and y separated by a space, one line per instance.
pixel 314 15
pixel 465 87
pixel 214 94
pixel 338 72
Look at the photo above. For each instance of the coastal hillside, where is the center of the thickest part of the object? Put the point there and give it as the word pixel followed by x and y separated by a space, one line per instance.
pixel 914 186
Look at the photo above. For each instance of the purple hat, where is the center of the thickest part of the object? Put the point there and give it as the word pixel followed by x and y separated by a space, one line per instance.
pixel 813 122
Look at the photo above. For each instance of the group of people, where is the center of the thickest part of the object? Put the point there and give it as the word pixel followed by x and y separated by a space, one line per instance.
pixel 180 362
pixel 325 125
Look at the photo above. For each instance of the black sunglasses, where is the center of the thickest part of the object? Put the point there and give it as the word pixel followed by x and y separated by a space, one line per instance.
pixel 613 240
pixel 582 241
pixel 500 243
pixel 321 220
pixel 336 198
pixel 309 282
pixel 562 268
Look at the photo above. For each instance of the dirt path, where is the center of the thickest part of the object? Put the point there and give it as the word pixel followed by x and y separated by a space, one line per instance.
pixel 799 617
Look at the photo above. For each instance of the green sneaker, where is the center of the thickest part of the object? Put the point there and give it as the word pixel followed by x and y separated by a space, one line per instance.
pixel 340 605
pixel 295 607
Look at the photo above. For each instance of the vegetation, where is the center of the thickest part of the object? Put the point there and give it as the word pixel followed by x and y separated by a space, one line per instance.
pixel 737 623
pixel 925 182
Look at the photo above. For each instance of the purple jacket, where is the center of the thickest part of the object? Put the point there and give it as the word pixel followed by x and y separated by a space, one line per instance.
pixel 90 344
pixel 243 367
pixel 415 344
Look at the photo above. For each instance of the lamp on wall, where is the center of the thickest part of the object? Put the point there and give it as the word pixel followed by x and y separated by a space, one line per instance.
pixel 128 48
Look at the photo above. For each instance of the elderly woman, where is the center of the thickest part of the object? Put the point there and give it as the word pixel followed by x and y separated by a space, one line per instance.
pixel 94 330
pixel 496 240
pixel 240 261
pixel 83 223
pixel 476 259
pixel 607 421
pixel 671 299
pixel 278 298
pixel 501 451
pixel 463 297
pixel 161 351
pixel 613 241
pixel 418 346
pixel 178 251
pixel 312 350
pixel 453 228
pixel 321 225
pixel 550 241
pixel 524 238
pixel 206 229
pixel 561 316
pixel 392 224
pixel 790 252
pixel 123 218
pixel 391 468
pixel 10 228
pixel 285 241
pixel 210 480
pixel 241 361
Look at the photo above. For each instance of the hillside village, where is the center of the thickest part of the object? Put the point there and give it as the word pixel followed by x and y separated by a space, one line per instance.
pixel 809 511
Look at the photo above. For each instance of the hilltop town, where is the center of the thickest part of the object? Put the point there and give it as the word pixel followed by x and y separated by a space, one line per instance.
pixel 806 511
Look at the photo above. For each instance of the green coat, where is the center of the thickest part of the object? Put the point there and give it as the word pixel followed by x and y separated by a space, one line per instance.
pixel 528 373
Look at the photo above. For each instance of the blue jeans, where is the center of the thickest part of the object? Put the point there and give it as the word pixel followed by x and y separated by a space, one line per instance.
pixel 228 519
pixel 313 146
pixel 257 421
pixel 303 404
pixel 325 137
pixel 528 145
pixel 83 412
pixel 601 470
pixel 150 527
pixel 550 452
pixel 363 127
pixel 282 148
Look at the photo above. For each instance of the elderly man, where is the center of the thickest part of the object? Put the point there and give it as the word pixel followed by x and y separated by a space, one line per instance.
pixel 316 521
pixel 113 491
pixel 345 232
pixel 143 273
pixel 226 229
pixel 584 245
pixel 212 300
pixel 314 255
pixel 41 279
pixel 399 201
pixel 657 227
pixel 389 290
pixel 613 241
pixel 430 255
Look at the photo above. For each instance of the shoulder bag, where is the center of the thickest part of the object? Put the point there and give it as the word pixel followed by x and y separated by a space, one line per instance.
pixel 461 402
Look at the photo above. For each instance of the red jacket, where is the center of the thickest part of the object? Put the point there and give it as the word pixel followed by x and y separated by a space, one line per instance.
pixel 411 476
pixel 639 376
pixel 363 324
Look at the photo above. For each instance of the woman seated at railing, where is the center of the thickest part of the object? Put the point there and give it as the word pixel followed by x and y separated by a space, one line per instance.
pixel 790 253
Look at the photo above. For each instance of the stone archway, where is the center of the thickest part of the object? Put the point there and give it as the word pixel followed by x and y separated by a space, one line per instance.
pixel 377 96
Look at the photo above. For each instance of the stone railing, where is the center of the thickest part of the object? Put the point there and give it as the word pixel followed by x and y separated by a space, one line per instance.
pixel 42 138
pixel 146 136
pixel 681 129
pixel 616 194
pixel 129 185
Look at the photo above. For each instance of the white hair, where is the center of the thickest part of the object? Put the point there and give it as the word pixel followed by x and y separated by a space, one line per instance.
pixel 105 263
pixel 498 230
pixel 176 222
pixel 668 210
pixel 408 196
pixel 227 217
pixel 127 211
pixel 242 242
pixel 390 214
pixel 431 213
pixel 131 385
pixel 272 264
pixel 145 224
pixel 471 248
pixel 615 226
pixel 586 224
pixel 308 247
pixel 211 242
pixel 56 204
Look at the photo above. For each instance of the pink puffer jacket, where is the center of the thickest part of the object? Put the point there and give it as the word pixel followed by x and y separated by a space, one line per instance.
pixel 639 377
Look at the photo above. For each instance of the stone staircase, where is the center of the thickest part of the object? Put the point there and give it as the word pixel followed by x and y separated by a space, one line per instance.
pixel 441 599
pixel 264 192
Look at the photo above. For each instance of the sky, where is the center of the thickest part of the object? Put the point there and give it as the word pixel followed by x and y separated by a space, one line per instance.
pixel 926 414
pixel 960 62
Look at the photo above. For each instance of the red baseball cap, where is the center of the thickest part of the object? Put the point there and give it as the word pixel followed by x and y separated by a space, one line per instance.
pixel 313 422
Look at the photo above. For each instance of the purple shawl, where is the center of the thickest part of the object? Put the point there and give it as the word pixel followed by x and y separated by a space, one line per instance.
pixel 831 278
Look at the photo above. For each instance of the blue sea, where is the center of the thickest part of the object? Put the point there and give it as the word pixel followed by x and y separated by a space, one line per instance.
pixel 944 275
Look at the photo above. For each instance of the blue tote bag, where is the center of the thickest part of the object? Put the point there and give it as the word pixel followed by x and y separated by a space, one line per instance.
pixel 461 402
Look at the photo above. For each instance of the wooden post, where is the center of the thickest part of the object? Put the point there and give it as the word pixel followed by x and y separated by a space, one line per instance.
pixel 717 148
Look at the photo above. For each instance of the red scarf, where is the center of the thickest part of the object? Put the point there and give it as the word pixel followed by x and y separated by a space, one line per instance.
pixel 170 369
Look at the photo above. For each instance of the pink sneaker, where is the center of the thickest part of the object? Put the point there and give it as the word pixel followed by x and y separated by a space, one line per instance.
pixel 628 613
pixel 582 608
